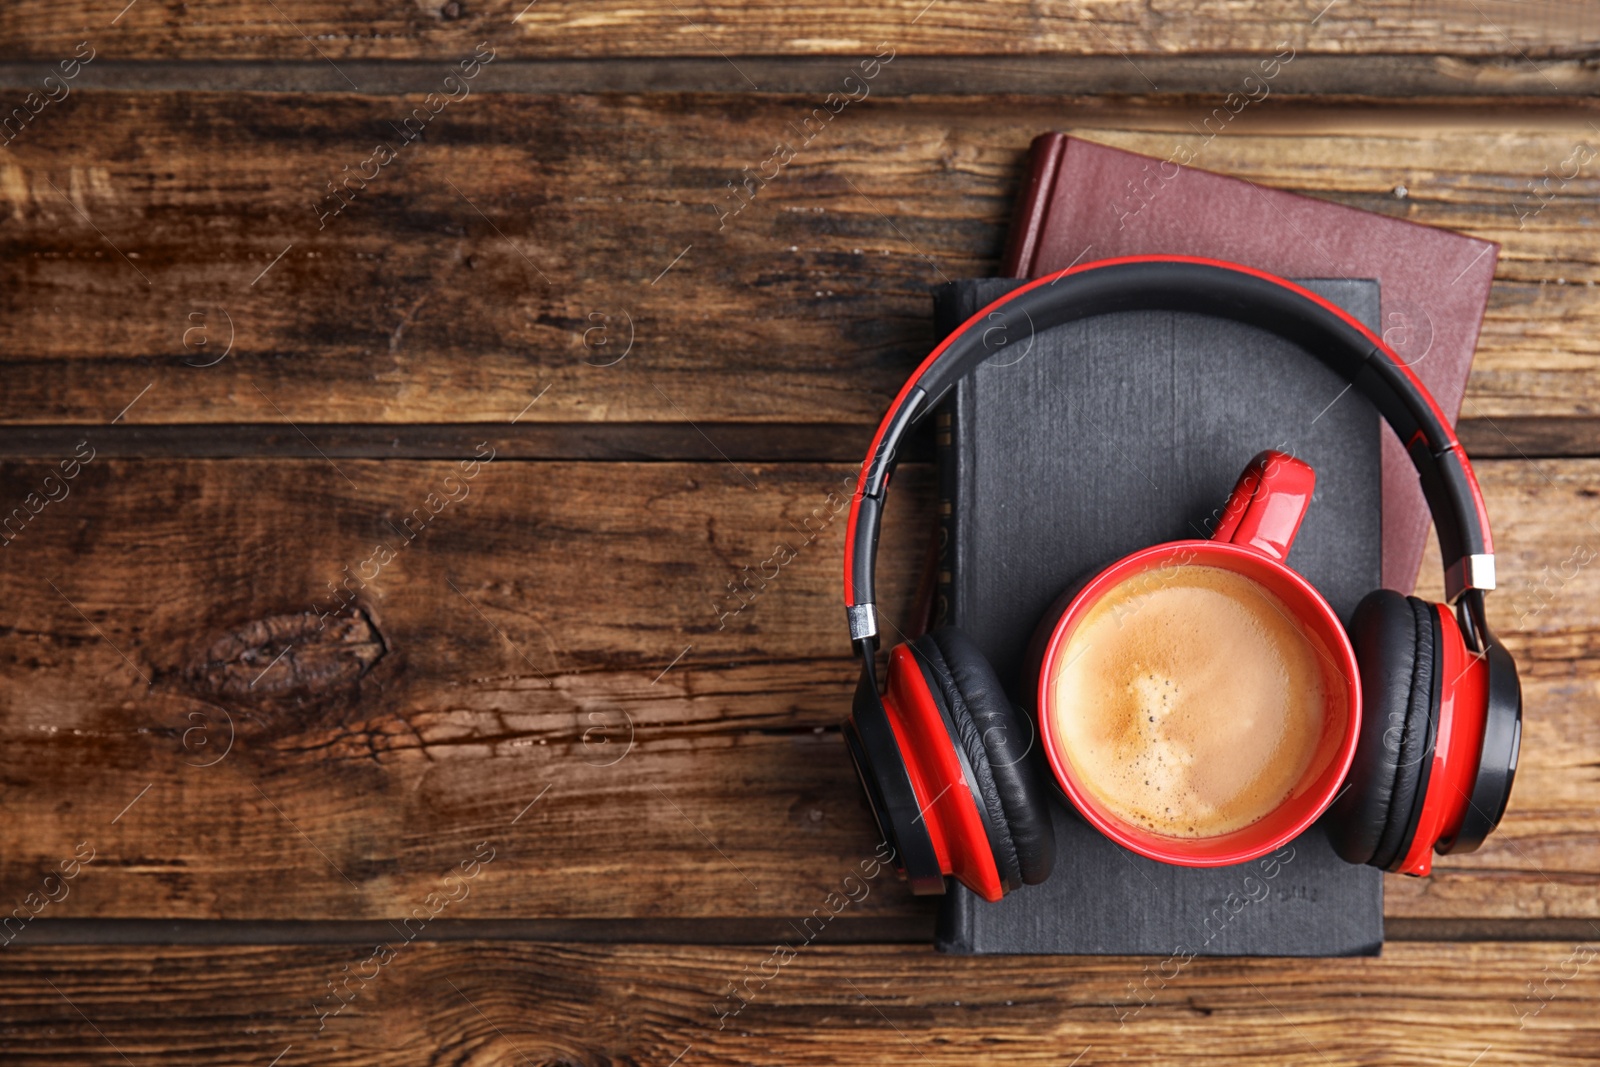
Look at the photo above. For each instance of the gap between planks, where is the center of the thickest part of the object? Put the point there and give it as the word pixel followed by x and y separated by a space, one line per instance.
pixel 1336 75
pixel 886 930
pixel 1574 437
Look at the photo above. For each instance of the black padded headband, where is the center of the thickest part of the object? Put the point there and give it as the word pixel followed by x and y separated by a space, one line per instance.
pixel 1209 287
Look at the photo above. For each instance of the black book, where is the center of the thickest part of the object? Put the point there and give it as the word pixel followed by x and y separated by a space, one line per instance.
pixel 1071 448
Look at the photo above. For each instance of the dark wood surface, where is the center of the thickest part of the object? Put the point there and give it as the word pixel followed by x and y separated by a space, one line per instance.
pixel 548 667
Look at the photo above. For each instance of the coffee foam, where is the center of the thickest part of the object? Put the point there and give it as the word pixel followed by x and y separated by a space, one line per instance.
pixel 1191 703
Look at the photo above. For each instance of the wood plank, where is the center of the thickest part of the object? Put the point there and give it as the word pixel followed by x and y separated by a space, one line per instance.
pixel 436 29
pixel 492 1003
pixel 507 655
pixel 468 277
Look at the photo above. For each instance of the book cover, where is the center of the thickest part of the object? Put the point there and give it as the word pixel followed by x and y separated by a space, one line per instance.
pixel 1082 201
pixel 1071 448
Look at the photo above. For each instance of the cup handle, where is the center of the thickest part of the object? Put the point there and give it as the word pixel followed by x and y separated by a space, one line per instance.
pixel 1267 503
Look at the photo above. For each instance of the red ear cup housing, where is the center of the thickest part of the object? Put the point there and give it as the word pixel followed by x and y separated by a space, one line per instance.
pixel 886 778
pixel 1486 791
pixel 948 767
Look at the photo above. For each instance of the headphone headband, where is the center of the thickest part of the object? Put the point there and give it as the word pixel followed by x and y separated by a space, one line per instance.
pixel 1211 287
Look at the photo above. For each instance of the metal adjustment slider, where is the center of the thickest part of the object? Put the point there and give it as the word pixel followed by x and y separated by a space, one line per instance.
pixel 863 621
pixel 1469 572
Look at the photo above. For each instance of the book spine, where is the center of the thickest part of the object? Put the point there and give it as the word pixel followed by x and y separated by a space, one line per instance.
pixel 951 304
pixel 955 930
pixel 944 453
pixel 1033 205
pixel 952 934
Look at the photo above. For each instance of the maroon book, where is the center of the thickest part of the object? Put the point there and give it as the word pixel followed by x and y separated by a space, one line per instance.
pixel 1083 201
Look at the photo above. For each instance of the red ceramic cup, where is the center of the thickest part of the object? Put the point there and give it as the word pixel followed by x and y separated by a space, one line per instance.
pixel 1252 538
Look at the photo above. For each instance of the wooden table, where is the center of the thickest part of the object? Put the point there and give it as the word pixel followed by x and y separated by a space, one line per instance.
pixel 364 698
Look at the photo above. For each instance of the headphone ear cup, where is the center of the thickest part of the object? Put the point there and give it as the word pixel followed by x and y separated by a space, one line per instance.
pixel 1002 739
pixel 967 737
pixel 1396 644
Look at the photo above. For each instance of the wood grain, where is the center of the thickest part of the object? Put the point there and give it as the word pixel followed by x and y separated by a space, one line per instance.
pixel 508 655
pixel 498 1003
pixel 489 261
pixel 303 29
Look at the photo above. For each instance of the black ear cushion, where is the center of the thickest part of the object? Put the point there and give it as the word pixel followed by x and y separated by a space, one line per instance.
pixel 1416 744
pixel 1009 739
pixel 1394 645
pixel 930 657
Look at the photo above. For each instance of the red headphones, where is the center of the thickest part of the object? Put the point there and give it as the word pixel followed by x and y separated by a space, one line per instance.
pixel 944 755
